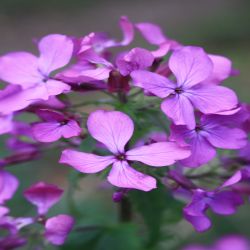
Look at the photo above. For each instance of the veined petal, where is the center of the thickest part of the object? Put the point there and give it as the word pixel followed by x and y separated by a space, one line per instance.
pixel 201 152
pixel 6 124
pixel 224 137
pixel 180 110
pixel 190 65
pixel 152 82
pixel 55 52
pixel 158 154
pixel 112 128
pixel 210 99
pixel 85 162
pixel 122 175
pixel 20 68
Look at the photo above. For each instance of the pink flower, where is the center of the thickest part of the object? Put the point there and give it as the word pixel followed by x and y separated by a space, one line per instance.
pixel 191 66
pixel 55 126
pixel 114 129
pixel 32 74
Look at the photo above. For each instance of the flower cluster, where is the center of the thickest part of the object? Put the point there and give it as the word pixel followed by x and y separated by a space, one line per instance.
pixel 177 141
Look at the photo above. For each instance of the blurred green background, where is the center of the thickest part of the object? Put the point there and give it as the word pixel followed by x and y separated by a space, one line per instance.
pixel 220 26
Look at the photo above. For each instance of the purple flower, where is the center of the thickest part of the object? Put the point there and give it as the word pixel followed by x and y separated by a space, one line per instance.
pixel 191 66
pixel 220 201
pixel 135 59
pixel 57 228
pixel 55 126
pixel 32 73
pixel 43 196
pixel 114 129
pixel 8 186
pixel 209 134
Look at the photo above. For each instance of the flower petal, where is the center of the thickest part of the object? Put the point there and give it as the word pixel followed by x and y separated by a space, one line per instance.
pixel 222 69
pixel 190 65
pixel 57 228
pixel 158 154
pixel 127 30
pixel 122 175
pixel 152 82
pixel 210 99
pixel 224 137
pixel 85 162
pixel 43 196
pixel 201 151
pixel 6 124
pixel 20 68
pixel 135 59
pixel 112 128
pixel 151 32
pixel 55 52
pixel 225 202
pixel 180 110
pixel 54 87
pixel 53 131
pixel 8 186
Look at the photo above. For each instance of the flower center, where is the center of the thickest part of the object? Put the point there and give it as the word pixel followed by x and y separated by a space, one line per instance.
pixel 198 128
pixel 178 90
pixel 65 122
pixel 121 157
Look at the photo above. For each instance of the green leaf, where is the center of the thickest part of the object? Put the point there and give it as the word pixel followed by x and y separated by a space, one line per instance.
pixel 121 237
pixel 156 207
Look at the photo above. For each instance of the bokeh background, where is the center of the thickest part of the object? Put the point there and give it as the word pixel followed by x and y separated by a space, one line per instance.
pixel 220 26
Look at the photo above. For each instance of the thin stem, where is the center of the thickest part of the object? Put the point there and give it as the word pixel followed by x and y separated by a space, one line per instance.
pixel 125 210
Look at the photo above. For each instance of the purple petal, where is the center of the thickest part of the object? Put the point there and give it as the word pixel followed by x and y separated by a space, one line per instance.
pixel 180 110
pixel 210 99
pixel 222 69
pixel 77 73
pixel 225 202
pixel 50 115
pixel 162 50
pixel 235 178
pixel 8 186
pixel 55 52
pixel 43 196
pixel 6 124
pixel 158 154
pixel 195 212
pixel 122 175
pixel 20 68
pixel 112 128
pixel 57 228
pixel 152 82
pixel 201 151
pixel 85 162
pixel 53 131
pixel 224 137
pixel 135 59
pixel 232 242
pixel 200 223
pixel 127 30
pixel 190 65
pixel 151 32
pixel 54 87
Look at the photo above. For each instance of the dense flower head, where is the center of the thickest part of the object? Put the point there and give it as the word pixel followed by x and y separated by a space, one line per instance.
pixel 161 110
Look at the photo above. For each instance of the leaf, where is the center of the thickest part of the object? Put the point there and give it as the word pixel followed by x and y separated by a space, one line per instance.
pixel 156 207
pixel 121 237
